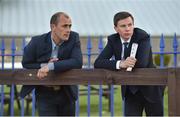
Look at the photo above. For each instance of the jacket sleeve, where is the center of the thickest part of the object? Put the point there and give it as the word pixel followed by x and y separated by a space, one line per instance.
pixel 29 56
pixel 75 59
pixel 104 59
pixel 144 53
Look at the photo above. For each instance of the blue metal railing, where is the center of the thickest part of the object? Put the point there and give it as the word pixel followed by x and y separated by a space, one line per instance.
pixel 2 87
pixel 89 55
pixel 100 46
pixel 89 47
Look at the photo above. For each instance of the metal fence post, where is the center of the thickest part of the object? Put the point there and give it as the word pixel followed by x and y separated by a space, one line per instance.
pixel 175 46
pixel 162 46
pixel 22 99
pixel 13 49
pixel 100 47
pixel 2 86
pixel 89 47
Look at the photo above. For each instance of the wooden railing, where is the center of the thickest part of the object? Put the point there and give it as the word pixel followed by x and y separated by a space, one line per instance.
pixel 140 76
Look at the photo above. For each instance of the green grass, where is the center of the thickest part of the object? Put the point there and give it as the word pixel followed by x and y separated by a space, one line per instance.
pixel 117 104
pixel 95 107
pixel 94 104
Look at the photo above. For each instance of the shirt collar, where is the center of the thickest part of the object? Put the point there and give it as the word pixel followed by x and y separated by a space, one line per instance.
pixel 122 40
pixel 53 43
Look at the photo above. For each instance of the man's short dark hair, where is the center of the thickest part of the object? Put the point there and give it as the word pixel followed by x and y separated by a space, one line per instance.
pixel 55 17
pixel 120 16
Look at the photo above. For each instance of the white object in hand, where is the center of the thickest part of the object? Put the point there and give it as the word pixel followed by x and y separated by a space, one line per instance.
pixel 133 54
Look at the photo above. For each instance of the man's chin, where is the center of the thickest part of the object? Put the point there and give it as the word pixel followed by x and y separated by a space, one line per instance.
pixel 126 38
pixel 65 39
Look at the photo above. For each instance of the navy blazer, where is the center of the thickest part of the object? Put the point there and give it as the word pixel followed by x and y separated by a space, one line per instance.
pixel 39 51
pixel 143 56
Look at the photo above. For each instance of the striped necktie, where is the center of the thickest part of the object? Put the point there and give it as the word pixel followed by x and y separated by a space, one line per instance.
pixel 125 50
pixel 55 52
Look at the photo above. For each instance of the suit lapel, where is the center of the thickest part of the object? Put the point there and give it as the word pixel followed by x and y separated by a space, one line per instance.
pixel 133 40
pixel 64 49
pixel 61 50
pixel 118 47
pixel 46 48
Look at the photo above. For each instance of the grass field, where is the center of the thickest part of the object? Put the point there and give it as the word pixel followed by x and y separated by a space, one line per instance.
pixel 94 105
pixel 117 104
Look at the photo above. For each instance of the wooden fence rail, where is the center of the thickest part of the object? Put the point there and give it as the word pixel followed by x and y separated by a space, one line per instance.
pixel 140 76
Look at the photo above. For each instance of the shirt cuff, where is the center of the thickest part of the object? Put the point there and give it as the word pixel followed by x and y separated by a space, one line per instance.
pixel 118 64
pixel 43 64
pixel 51 66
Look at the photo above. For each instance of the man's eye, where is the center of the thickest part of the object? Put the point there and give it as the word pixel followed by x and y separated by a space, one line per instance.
pixel 67 26
pixel 122 26
pixel 129 25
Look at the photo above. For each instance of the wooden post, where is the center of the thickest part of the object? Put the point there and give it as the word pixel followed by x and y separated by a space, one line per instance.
pixel 173 92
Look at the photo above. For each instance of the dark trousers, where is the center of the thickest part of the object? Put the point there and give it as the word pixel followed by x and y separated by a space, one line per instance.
pixel 54 103
pixel 136 103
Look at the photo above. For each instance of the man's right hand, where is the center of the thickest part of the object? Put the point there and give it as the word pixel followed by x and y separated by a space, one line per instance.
pixel 42 72
pixel 129 62
pixel 53 59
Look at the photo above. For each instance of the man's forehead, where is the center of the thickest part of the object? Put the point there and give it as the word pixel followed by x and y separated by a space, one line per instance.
pixel 125 21
pixel 64 20
pixel 62 16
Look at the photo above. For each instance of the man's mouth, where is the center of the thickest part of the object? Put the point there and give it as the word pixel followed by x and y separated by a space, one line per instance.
pixel 127 34
pixel 66 35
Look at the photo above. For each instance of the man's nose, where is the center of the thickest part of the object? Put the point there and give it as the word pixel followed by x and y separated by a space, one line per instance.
pixel 127 28
pixel 68 29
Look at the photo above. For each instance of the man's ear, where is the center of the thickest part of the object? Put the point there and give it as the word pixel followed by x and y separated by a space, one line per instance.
pixel 52 26
pixel 115 28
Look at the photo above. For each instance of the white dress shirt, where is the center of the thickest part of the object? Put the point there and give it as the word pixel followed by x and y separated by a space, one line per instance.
pixel 122 53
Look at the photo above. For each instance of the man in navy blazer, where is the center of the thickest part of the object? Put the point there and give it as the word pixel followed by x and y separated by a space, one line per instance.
pixel 136 98
pixel 58 50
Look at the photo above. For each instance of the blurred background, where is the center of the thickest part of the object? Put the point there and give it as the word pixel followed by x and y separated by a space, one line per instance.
pixel 93 20
pixel 90 18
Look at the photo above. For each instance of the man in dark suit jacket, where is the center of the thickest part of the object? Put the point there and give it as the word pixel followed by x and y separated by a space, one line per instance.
pixel 58 50
pixel 136 98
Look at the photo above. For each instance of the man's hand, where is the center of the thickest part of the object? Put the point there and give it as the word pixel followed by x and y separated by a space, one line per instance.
pixel 129 62
pixel 42 72
pixel 53 59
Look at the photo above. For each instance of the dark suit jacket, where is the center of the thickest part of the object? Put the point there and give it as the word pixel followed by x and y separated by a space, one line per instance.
pixel 143 56
pixel 39 51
